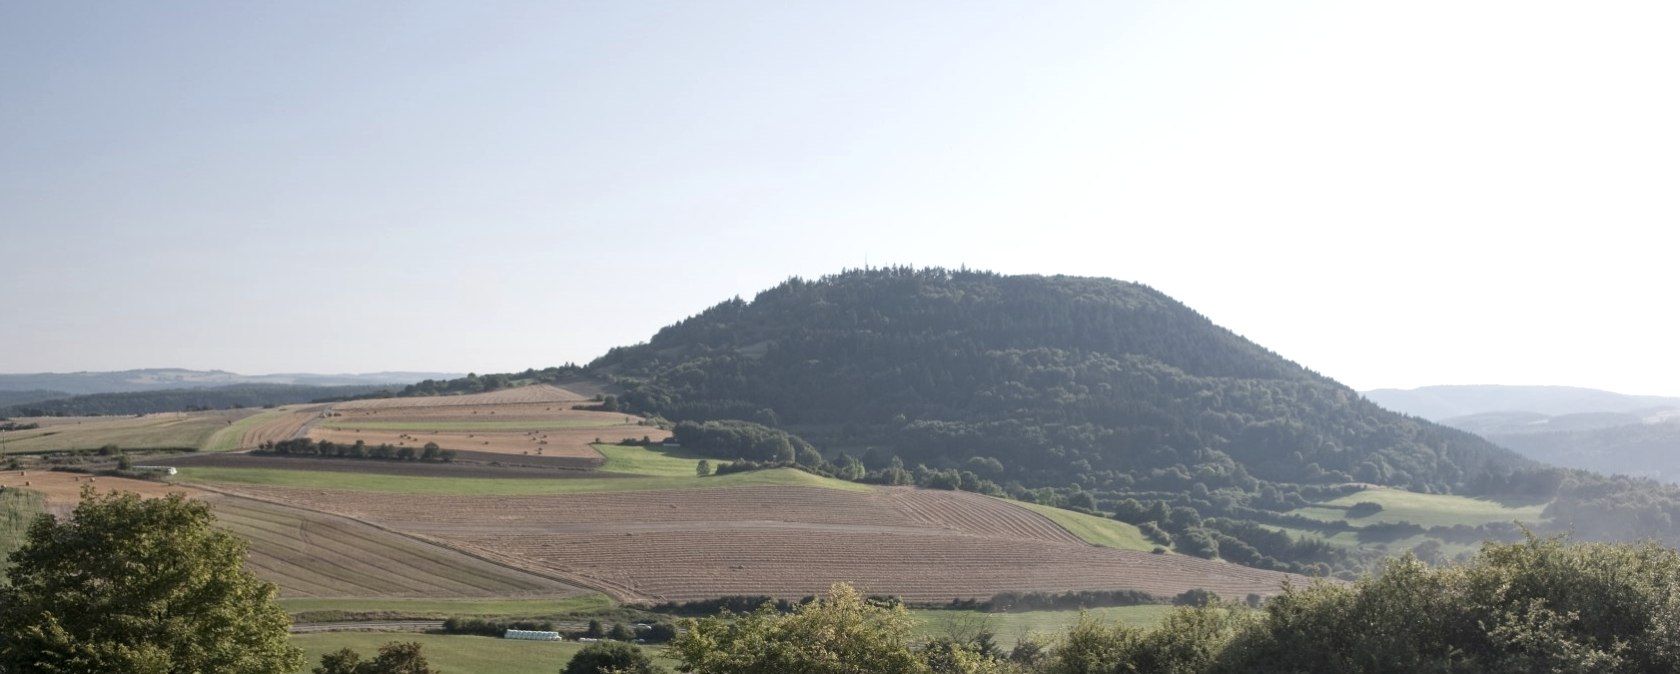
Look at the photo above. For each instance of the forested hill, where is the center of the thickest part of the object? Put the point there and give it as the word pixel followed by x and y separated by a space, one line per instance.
pixel 1062 380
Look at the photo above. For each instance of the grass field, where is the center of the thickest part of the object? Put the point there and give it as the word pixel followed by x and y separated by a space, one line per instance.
pixel 227 439
pixel 1010 628
pixel 18 507
pixel 649 461
pixel 419 608
pixel 456 654
pixel 401 484
pixel 1425 510
pixel 153 431
pixel 1095 530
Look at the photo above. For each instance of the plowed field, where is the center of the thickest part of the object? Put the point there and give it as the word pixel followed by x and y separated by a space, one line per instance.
pixel 312 554
pixel 923 545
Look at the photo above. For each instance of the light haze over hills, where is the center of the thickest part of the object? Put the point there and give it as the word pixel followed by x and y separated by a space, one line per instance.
pixel 1565 426
pixel 1438 403
pixel 158 379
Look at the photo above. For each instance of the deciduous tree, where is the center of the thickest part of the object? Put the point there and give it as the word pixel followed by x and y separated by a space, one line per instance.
pixel 139 587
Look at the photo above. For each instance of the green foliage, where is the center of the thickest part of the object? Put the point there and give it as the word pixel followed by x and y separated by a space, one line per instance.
pixel 744 440
pixel 393 658
pixel 1363 509
pixel 141 587
pixel 841 633
pixel 612 657
pixel 1533 606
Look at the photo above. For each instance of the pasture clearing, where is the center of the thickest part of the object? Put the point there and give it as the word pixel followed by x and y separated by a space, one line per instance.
pixel 1425 510
pixel 311 554
pixel 783 541
pixel 1099 531
pixel 456 654
pixel 172 430
pixel 649 461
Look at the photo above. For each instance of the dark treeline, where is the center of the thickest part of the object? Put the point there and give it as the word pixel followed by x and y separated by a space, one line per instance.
pixel 357 450
pixel 12 399
pixel 476 383
pixel 185 400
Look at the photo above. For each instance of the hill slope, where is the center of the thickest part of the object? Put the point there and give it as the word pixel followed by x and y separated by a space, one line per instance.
pixel 1062 380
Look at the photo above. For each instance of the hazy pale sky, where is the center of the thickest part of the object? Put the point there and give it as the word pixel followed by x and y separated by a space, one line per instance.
pixel 1393 194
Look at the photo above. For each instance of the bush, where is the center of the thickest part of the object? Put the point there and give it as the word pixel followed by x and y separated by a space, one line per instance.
pixel 611 656
pixel 1363 509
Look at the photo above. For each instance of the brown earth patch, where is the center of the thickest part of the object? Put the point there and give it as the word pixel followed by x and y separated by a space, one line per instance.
pixel 467 466
pixel 539 393
pixel 516 429
pixel 923 545
pixel 65 489
pixel 311 554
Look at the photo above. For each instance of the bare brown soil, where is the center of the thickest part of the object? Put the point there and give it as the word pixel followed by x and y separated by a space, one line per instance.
pixel 468 465
pixel 63 489
pixel 540 393
pixel 520 429
pixel 923 545
pixel 310 554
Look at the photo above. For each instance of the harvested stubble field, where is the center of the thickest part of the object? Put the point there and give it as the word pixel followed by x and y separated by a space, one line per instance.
pixel 275 425
pixel 534 421
pixel 924 545
pixel 63 490
pixel 540 393
pixel 175 430
pixel 310 554
pixel 468 466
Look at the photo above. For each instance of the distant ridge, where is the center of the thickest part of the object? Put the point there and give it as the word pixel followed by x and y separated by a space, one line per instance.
pixel 1573 427
pixel 1437 403
pixel 158 379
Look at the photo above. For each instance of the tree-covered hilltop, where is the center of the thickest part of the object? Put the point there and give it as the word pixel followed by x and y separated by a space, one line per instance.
pixel 1062 380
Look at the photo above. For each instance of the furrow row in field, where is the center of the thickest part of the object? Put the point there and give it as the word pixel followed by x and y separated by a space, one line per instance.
pixel 978 514
pixel 793 562
pixel 318 555
pixel 540 393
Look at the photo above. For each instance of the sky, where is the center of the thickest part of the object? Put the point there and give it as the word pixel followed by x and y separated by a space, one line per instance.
pixel 1392 194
